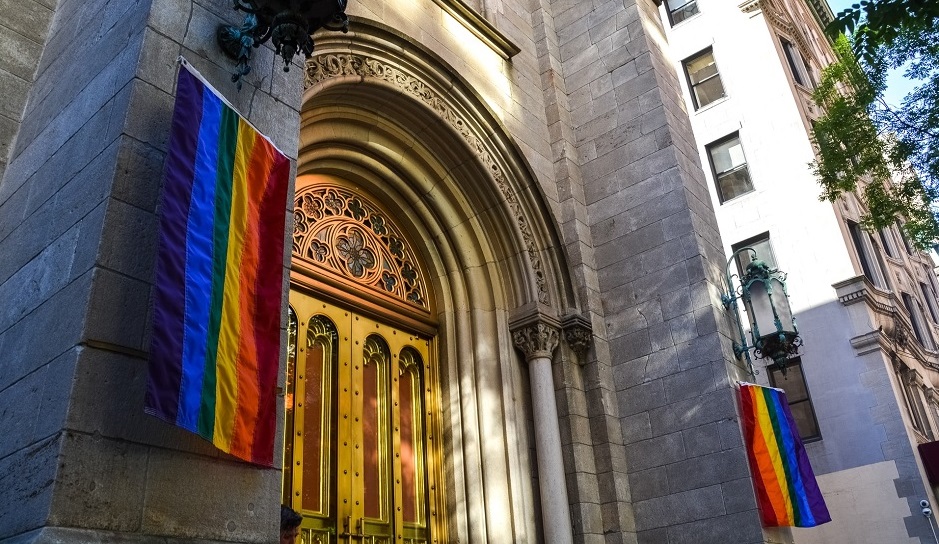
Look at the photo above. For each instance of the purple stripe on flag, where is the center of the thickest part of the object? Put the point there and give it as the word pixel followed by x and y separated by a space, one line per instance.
pixel 813 494
pixel 169 297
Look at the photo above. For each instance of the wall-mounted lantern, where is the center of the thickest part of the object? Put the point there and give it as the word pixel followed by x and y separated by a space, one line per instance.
pixel 287 23
pixel 773 331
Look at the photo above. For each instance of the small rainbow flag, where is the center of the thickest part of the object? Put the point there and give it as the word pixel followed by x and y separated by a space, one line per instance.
pixel 215 346
pixel 786 489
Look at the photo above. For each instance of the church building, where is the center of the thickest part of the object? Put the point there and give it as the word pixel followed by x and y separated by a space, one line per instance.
pixel 502 317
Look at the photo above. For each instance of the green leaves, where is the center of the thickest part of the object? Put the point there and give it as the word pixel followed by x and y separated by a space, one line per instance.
pixel 889 154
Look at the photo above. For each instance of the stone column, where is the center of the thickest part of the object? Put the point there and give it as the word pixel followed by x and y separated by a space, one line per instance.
pixel 537 339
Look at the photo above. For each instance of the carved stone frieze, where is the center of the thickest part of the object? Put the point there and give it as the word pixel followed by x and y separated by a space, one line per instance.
pixel 325 66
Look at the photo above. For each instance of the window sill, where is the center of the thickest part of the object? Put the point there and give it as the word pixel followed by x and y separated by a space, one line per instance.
pixel 720 100
pixel 738 197
pixel 682 23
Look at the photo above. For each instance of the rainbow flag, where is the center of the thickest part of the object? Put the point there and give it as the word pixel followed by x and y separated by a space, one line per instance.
pixel 215 346
pixel 786 489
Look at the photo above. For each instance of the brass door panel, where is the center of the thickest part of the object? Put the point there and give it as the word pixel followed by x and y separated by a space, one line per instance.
pixel 359 462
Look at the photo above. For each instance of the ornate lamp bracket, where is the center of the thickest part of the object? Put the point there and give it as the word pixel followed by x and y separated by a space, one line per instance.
pixel 535 332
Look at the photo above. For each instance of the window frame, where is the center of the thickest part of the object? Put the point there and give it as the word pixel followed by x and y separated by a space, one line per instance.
pixel 867 255
pixel 930 297
pixel 749 242
pixel 911 391
pixel 796 362
pixel 708 150
pixel 670 13
pixel 918 321
pixel 798 67
pixel 692 85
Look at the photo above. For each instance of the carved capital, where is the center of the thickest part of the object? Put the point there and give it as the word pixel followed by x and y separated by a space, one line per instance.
pixel 536 340
pixel 535 331
pixel 578 333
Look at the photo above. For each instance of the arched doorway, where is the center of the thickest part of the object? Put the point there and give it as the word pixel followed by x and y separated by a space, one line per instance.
pixel 390 121
pixel 360 458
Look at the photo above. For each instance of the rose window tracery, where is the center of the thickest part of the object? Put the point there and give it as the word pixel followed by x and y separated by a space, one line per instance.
pixel 339 230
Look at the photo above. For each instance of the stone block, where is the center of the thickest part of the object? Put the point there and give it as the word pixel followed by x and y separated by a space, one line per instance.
pixel 35 406
pixel 707 470
pixel 99 484
pixel 675 509
pixel 636 427
pixel 648 484
pixel 692 412
pixel 686 384
pixel 702 440
pixel 137 179
pixel 738 495
pixel 129 240
pixel 237 502
pixel 18 54
pixel 118 310
pixel 641 398
pixel 655 452
pixel 45 333
pixel 741 527
pixel 41 278
pixel 26 478
pixel 13 89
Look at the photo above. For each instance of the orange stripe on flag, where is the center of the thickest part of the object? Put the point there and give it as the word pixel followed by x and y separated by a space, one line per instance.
pixel 248 373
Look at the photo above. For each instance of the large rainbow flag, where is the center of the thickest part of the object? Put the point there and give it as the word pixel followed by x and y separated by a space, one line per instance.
pixel 786 489
pixel 219 277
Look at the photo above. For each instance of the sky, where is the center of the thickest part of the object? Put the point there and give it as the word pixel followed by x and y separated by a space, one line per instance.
pixel 898 86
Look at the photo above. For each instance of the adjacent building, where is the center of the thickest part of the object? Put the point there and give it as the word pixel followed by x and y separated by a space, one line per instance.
pixel 863 387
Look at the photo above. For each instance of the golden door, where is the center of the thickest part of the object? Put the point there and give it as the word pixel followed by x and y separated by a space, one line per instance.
pixel 356 436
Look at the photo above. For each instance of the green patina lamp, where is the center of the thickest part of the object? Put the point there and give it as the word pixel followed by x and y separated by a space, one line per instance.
pixel 287 23
pixel 773 331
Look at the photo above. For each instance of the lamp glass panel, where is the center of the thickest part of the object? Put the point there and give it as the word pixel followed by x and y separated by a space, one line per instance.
pixel 781 302
pixel 759 309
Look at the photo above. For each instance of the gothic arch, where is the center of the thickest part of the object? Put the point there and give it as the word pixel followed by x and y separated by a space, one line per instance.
pixel 392 118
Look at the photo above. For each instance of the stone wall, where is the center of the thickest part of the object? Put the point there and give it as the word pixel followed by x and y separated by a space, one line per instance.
pixel 77 232
pixel 23 32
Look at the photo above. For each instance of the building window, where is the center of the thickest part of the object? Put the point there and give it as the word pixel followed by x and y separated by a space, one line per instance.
pixel 918 320
pixel 906 241
pixel 912 395
pixel 797 64
pixel 797 393
pixel 679 10
pixel 703 79
pixel 930 297
pixel 762 247
pixel 889 242
pixel 870 261
pixel 729 167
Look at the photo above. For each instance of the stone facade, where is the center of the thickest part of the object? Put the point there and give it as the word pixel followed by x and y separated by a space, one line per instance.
pixel 563 183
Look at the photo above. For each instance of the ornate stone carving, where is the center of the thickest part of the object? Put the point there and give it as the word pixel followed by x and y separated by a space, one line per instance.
pixel 338 230
pixel 536 340
pixel 578 334
pixel 326 66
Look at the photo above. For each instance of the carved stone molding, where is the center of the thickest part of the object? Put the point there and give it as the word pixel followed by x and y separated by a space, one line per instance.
pixel 578 334
pixel 536 340
pixel 332 65
pixel 779 19
pixel 535 331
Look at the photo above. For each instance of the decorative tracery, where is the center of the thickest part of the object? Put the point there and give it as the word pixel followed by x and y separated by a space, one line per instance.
pixel 341 231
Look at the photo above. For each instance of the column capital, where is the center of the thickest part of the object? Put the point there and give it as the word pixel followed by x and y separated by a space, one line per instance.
pixel 535 331
pixel 578 333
